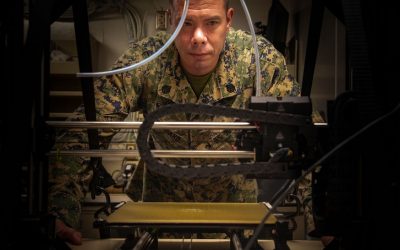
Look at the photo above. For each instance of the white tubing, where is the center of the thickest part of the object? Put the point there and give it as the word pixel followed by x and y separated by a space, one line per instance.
pixel 146 60
pixel 257 54
pixel 172 38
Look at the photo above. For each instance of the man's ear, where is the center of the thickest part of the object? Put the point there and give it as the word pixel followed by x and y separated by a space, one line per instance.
pixel 229 17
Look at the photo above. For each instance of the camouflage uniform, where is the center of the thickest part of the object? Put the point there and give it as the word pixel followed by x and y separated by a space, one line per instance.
pixel 162 82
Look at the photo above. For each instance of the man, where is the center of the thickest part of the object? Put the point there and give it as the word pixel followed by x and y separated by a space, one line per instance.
pixel 209 63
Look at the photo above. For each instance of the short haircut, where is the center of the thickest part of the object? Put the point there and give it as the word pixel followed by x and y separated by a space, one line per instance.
pixel 171 2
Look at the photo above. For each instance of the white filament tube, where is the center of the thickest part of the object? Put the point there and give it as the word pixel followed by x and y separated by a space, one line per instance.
pixel 146 60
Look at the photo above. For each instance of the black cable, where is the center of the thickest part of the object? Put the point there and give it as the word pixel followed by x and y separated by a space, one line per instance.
pixel 309 170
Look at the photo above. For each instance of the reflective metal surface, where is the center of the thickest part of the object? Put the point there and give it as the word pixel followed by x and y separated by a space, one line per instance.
pixel 157 125
pixel 190 213
pixel 158 153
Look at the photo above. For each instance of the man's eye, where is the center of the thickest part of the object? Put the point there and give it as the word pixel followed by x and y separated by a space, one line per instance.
pixel 212 23
pixel 188 23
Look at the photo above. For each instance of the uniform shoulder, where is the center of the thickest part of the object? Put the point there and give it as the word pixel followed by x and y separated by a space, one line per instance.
pixel 243 38
pixel 141 49
pixel 151 43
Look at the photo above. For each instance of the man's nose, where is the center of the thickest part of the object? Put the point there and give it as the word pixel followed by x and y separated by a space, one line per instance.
pixel 199 38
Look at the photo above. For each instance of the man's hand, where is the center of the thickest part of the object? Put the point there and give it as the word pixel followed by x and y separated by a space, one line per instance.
pixel 68 234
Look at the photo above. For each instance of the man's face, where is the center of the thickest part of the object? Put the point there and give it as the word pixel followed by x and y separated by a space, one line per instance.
pixel 202 37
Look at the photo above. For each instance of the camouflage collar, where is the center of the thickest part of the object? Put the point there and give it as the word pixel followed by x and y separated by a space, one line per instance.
pixel 175 86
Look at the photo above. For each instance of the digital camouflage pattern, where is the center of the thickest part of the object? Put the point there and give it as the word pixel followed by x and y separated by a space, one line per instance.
pixel 162 82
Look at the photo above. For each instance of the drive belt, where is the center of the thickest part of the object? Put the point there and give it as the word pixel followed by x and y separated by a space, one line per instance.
pixel 269 168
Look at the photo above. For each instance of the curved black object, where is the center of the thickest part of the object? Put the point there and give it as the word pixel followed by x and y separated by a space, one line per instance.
pixel 271 168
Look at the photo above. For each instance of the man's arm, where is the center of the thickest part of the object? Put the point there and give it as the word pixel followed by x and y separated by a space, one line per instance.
pixel 69 177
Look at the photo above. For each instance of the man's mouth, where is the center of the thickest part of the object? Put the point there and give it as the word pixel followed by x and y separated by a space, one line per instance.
pixel 199 55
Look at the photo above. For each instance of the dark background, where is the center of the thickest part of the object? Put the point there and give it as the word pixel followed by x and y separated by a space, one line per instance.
pixel 363 211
